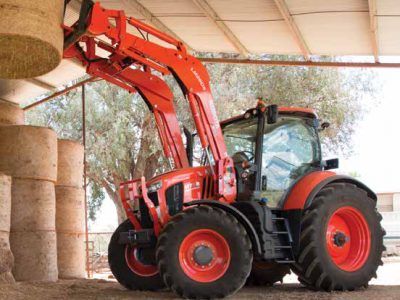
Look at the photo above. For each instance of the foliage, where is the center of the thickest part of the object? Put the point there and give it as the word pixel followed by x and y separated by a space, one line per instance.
pixel 122 142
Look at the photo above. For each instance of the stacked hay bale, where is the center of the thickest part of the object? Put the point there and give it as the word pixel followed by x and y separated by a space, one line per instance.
pixel 70 215
pixel 29 155
pixel 10 113
pixel 31 37
pixel 6 257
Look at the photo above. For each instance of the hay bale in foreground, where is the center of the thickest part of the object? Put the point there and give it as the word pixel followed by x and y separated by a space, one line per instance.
pixel 7 277
pixel 6 257
pixel 31 37
pixel 5 210
pixel 35 256
pixel 11 113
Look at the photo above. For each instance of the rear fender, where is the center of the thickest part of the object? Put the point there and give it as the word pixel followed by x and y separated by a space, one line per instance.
pixel 235 213
pixel 303 193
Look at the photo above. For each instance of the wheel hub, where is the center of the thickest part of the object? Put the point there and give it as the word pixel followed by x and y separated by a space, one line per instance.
pixel 203 255
pixel 340 239
pixel 134 260
pixel 348 238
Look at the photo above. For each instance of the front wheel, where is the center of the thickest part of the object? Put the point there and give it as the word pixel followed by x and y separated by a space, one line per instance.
pixel 341 240
pixel 203 252
pixel 131 266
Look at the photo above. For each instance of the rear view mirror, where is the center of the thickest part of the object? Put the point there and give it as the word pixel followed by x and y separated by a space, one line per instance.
pixel 272 114
pixel 331 164
pixel 324 126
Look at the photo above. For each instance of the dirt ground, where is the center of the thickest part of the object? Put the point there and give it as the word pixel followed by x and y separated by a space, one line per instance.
pixel 385 287
pixel 101 289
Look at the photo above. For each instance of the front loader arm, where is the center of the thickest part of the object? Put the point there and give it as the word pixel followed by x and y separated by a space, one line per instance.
pixel 103 42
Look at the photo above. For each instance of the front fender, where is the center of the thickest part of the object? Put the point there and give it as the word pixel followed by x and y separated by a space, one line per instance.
pixel 237 214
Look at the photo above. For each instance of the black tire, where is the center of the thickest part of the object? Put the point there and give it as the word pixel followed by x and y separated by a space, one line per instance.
pixel 266 273
pixel 204 218
pixel 315 267
pixel 120 268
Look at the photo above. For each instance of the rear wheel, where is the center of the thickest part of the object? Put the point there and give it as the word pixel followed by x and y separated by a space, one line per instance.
pixel 266 273
pixel 341 241
pixel 132 266
pixel 204 252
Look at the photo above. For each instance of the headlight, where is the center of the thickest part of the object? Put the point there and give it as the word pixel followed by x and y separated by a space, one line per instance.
pixel 154 187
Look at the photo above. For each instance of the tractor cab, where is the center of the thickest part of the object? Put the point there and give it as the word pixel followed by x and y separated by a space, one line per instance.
pixel 271 151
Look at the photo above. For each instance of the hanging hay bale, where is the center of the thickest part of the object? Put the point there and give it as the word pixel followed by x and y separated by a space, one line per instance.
pixel 70 163
pixel 28 152
pixel 6 257
pixel 31 37
pixel 35 255
pixel 70 223
pixel 10 113
pixel 33 205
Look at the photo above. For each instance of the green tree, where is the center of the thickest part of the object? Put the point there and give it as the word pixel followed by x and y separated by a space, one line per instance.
pixel 121 138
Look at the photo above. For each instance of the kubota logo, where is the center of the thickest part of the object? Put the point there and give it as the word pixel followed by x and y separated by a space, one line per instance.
pixel 203 86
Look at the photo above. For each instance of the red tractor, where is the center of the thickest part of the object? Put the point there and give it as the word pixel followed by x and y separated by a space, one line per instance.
pixel 259 203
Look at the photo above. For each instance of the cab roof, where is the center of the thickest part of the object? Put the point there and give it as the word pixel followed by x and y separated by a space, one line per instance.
pixel 284 110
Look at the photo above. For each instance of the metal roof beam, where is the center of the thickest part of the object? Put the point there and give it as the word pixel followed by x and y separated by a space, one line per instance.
pixel 41 84
pixel 213 16
pixel 149 17
pixel 298 63
pixel 373 26
pixel 59 93
pixel 294 30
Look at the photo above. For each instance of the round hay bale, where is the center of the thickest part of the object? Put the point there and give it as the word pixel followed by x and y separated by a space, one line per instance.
pixel 33 44
pixel 6 260
pixel 70 163
pixel 28 152
pixel 70 210
pixel 33 205
pixel 70 224
pixel 71 255
pixel 35 255
pixel 11 113
pixel 5 209
pixel 7 277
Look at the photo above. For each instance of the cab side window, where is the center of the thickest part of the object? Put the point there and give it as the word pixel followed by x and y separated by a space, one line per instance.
pixel 290 150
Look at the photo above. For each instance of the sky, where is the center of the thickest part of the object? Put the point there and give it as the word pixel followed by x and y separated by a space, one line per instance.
pixel 377 139
pixel 376 148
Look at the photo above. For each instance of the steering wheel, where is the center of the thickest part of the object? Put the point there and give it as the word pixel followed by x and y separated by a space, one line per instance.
pixel 241 156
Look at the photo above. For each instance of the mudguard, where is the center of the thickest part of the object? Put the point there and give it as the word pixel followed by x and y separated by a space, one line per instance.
pixel 301 195
pixel 237 214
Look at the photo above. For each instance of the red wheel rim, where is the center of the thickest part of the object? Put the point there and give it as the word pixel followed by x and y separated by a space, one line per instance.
pixel 136 266
pixel 348 238
pixel 213 243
